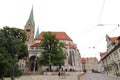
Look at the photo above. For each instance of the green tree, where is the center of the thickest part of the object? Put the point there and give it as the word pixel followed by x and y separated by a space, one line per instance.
pixel 12 42
pixel 3 62
pixel 52 51
pixel 6 64
pixel 13 39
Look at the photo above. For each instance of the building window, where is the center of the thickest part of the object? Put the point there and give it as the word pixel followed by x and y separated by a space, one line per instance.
pixel 37 47
pixel 31 47
pixel 28 30
pixel 119 65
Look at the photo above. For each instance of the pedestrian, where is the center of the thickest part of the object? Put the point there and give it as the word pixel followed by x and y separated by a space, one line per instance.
pixel 59 74
pixel 62 73
pixel 12 77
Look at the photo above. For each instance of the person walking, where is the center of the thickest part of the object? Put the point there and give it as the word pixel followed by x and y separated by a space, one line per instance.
pixel 59 74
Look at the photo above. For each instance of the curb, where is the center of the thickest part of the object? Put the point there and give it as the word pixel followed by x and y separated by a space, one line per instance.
pixel 80 76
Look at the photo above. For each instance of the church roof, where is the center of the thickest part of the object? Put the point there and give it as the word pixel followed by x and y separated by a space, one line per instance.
pixel 31 18
pixel 38 45
pixel 59 35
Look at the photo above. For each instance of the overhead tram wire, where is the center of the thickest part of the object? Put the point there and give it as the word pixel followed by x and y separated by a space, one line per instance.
pixel 102 8
pixel 93 46
pixel 99 18
pixel 88 30
pixel 114 28
pixel 107 33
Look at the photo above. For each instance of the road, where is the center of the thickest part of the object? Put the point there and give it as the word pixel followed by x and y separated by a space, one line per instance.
pixel 72 76
pixel 98 76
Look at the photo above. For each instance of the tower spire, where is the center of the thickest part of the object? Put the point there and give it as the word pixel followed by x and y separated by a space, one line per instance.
pixel 37 32
pixel 30 28
pixel 31 18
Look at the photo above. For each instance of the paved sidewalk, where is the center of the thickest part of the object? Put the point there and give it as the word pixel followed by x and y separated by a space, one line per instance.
pixel 98 76
pixel 72 76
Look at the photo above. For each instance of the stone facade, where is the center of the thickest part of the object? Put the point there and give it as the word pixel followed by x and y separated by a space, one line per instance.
pixel 100 64
pixel 73 58
pixel 90 64
pixel 30 29
pixel 111 61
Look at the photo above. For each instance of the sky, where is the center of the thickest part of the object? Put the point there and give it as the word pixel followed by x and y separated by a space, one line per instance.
pixel 78 18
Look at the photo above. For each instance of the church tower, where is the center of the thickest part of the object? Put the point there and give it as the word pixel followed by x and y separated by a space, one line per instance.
pixel 30 29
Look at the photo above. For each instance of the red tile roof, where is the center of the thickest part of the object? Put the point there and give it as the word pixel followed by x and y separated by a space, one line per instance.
pixel 84 60
pixel 59 35
pixel 71 46
pixel 113 39
pixel 36 45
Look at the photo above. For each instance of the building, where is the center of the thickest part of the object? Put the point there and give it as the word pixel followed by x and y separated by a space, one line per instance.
pixel 90 64
pixel 100 65
pixel 30 29
pixel 111 60
pixel 73 58
pixel 70 49
pixel 102 54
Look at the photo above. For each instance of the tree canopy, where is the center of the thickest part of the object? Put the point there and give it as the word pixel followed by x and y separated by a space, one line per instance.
pixel 13 40
pixel 52 50
pixel 12 43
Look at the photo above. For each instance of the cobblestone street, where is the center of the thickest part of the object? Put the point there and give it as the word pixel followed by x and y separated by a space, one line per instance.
pixel 72 76
pixel 98 76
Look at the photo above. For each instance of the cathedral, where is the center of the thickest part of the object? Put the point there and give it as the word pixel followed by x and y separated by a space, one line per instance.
pixel 73 57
